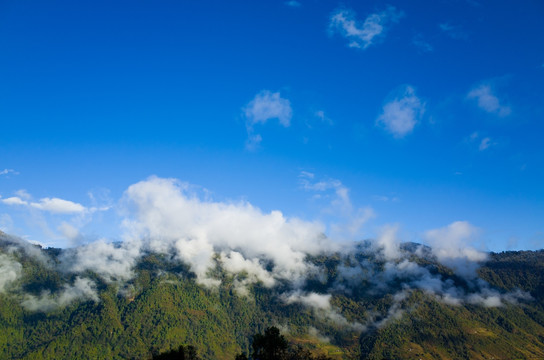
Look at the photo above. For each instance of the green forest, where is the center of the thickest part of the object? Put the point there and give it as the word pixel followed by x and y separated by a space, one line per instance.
pixel 163 311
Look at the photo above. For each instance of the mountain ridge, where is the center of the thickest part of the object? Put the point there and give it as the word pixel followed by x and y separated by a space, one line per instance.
pixel 48 311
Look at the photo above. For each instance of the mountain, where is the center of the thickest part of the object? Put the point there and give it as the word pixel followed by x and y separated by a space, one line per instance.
pixel 357 304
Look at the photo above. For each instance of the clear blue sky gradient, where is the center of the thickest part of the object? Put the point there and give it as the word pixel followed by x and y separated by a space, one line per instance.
pixel 98 95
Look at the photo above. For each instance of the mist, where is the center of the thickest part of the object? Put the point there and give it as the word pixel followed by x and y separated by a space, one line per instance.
pixel 168 217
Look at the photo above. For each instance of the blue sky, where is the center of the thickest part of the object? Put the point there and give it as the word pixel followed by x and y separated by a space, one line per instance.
pixel 358 115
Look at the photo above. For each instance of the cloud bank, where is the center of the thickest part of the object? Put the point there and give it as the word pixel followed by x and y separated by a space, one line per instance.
pixel 170 217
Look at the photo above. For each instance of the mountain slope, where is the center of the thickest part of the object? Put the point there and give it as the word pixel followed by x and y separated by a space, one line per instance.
pixel 47 312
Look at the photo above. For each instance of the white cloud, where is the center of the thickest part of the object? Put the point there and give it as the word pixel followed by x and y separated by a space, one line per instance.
pixel 23 194
pixel 58 206
pixel 8 171
pixel 362 35
pixel 321 305
pixel 112 262
pixel 58 220
pixel 452 247
pixel 82 288
pixel 25 247
pixel 400 115
pixel 488 102
pixel 10 271
pixel 15 200
pixel 388 242
pixel 52 205
pixel 176 221
pixel 314 300
pixel 169 217
pixel 265 106
pixel 251 269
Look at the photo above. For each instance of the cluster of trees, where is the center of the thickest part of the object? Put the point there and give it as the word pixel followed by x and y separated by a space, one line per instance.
pixel 268 346
pixel 165 307
pixel 182 353
pixel 273 346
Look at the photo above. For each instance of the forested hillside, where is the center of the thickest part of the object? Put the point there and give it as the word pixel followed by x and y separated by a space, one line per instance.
pixel 357 305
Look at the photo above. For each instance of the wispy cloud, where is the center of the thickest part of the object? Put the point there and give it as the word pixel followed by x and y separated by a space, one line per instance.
pixel 52 205
pixel 363 34
pixel 58 206
pixel 70 232
pixel 488 101
pixel 421 44
pixel 8 172
pixel 83 288
pixel 400 115
pixel 453 31
pixel 385 198
pixel 57 219
pixel 484 142
pixel 265 106
pixel 293 3
pixel 320 114
pixel 347 220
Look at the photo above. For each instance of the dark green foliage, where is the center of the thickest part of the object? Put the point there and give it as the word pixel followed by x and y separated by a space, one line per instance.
pixel 181 353
pixel 270 346
pixel 273 346
pixel 517 269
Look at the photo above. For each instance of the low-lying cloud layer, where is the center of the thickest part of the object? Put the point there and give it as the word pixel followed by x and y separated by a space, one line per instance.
pixel 168 217
pixel 82 289
pixel 10 270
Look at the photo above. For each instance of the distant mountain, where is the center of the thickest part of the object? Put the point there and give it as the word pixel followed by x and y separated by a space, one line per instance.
pixel 361 304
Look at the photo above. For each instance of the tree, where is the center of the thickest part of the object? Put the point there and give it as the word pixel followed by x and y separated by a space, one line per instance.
pixel 182 353
pixel 241 356
pixel 270 346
